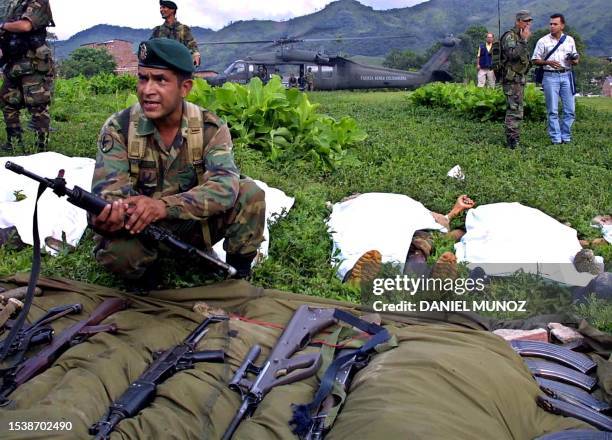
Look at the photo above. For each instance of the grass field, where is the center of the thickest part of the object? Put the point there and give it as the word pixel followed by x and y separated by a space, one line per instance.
pixel 409 150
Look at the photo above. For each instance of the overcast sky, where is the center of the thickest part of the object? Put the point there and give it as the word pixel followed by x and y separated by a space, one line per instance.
pixel 72 16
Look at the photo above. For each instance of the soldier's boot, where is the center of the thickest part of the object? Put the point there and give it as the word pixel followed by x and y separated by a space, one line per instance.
pixel 14 139
pixel 512 143
pixel 242 264
pixel 365 269
pixel 42 141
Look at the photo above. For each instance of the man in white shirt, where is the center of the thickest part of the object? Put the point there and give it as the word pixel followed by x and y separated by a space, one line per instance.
pixel 558 80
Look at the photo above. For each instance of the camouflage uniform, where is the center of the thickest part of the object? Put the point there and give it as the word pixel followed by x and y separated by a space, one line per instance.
pixel 28 73
pixel 228 204
pixel 309 81
pixel 516 62
pixel 179 32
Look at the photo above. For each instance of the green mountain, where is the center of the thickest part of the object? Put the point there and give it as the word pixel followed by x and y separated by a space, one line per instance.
pixel 427 22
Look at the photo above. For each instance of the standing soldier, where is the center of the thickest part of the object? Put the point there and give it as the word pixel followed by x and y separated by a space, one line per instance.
pixel 176 31
pixel 28 69
pixel 309 80
pixel 515 64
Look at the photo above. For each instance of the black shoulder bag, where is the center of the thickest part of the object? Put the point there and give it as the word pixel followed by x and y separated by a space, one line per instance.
pixel 538 73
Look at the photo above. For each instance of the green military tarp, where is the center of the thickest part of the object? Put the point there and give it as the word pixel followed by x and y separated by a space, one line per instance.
pixel 449 378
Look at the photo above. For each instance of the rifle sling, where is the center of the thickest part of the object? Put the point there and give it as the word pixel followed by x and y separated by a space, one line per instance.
pixel 302 414
pixel 29 298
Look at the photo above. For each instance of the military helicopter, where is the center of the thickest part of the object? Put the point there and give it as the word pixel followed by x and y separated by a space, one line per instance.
pixel 331 72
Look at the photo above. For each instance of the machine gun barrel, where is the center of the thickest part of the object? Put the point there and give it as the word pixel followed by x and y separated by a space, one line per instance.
pixel 142 391
pixel 74 334
pixel 93 204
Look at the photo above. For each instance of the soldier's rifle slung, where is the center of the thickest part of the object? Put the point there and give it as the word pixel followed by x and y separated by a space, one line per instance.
pixel 94 205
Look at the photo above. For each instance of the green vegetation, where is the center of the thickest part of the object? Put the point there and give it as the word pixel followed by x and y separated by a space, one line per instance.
pixel 601 103
pixel 481 103
pixel 409 150
pixel 88 62
pixel 281 122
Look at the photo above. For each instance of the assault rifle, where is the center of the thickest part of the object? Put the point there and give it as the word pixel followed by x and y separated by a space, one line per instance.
pixel 141 392
pixel 280 368
pixel 94 205
pixel 74 334
pixel 343 376
pixel 39 332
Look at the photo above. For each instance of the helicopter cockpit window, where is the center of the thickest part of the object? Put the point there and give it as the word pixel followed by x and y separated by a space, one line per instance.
pixel 235 68
pixel 327 71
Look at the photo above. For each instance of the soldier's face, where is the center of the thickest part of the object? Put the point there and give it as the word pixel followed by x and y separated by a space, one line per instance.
pixel 161 93
pixel 165 11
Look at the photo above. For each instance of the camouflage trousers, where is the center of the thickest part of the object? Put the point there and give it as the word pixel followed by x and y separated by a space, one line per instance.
pixel 242 226
pixel 30 91
pixel 514 110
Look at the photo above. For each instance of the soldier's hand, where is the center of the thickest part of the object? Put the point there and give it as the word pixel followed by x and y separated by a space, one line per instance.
pixel 142 211
pixel 112 217
pixel 196 60
pixel 554 64
pixel 526 33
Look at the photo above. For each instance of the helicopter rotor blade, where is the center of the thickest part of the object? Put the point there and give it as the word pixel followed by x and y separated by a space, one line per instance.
pixel 387 37
pixel 291 40
pixel 237 42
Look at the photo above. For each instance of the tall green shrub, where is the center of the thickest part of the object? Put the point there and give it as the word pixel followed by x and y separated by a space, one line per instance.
pixel 278 121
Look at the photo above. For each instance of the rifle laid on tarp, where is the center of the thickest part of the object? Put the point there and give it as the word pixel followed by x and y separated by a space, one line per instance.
pixel 39 332
pixel 320 426
pixel 279 368
pixel 94 205
pixel 76 333
pixel 141 392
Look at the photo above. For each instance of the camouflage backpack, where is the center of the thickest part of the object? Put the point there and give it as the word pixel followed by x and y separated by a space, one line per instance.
pixel 497 55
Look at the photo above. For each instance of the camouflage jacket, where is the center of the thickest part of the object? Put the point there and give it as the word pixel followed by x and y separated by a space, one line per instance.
pixel 515 56
pixel 168 174
pixel 177 31
pixel 38 12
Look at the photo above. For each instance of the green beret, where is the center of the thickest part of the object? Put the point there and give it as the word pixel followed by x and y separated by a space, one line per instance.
pixel 164 53
pixel 168 4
